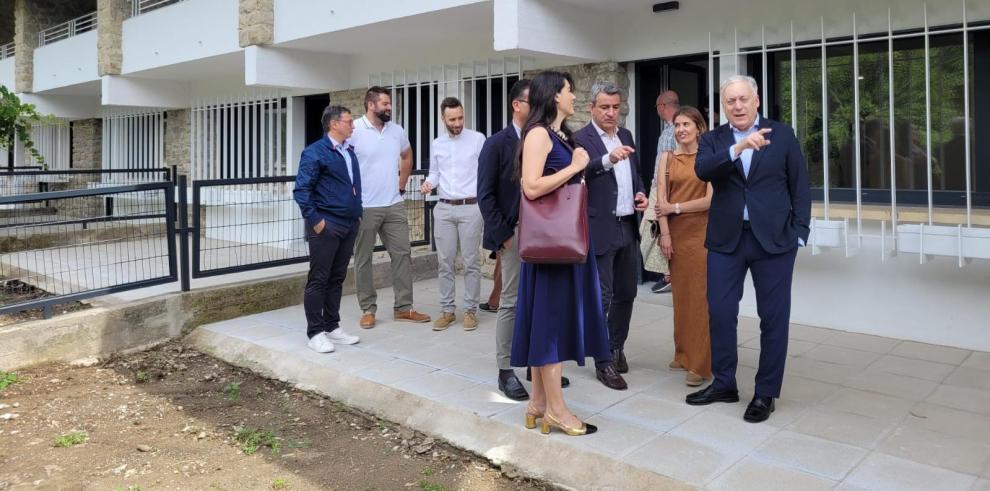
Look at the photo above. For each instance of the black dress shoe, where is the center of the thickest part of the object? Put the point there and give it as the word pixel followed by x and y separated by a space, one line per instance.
pixel 710 394
pixel 759 409
pixel 564 381
pixel 619 359
pixel 513 388
pixel 609 376
pixel 488 308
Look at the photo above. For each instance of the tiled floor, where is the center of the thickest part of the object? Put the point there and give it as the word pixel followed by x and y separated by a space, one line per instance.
pixel 857 411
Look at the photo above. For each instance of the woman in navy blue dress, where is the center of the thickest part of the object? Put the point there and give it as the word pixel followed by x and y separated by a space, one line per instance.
pixel 559 314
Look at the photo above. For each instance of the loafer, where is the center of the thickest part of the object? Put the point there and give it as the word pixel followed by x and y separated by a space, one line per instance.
pixel 564 381
pixel 488 307
pixel 513 388
pixel 675 365
pixel 411 316
pixel 610 377
pixel 693 379
pixel 759 409
pixel 619 359
pixel 367 320
pixel 710 394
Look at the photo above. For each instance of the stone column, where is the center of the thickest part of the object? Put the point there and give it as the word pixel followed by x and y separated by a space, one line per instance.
pixel 584 77
pixel 351 99
pixel 87 152
pixel 177 140
pixel 110 15
pixel 256 22
pixel 31 17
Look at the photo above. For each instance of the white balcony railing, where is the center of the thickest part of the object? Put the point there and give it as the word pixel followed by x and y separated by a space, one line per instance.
pixel 7 50
pixel 68 29
pixel 139 7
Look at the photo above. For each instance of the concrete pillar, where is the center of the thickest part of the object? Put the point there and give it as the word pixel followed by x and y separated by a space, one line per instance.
pixel 177 141
pixel 256 22
pixel 110 15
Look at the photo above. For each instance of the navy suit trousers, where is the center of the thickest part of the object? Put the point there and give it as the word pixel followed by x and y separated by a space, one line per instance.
pixel 772 274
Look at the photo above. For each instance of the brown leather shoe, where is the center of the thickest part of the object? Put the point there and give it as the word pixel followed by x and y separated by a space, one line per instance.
pixel 368 320
pixel 470 321
pixel 411 316
pixel 610 377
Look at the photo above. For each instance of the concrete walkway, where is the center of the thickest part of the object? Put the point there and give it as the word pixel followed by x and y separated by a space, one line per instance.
pixel 857 411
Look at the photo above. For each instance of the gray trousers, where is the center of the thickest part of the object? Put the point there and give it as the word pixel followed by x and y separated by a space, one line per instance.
pixel 391 224
pixel 506 320
pixel 455 225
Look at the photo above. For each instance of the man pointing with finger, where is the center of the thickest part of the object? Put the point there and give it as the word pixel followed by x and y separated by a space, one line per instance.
pixel 615 196
pixel 760 211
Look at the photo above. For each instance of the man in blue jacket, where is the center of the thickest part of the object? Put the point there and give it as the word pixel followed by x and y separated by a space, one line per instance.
pixel 760 215
pixel 328 191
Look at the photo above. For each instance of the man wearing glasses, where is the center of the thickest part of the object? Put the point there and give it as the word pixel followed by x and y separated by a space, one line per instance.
pixel 667 104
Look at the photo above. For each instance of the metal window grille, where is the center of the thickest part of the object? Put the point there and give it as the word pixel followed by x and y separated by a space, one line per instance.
pixel 481 86
pixel 132 140
pixel 963 239
pixel 67 29
pixel 139 7
pixel 238 137
pixel 54 142
pixel 7 50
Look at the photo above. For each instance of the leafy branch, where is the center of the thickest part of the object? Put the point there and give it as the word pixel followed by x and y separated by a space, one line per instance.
pixel 16 118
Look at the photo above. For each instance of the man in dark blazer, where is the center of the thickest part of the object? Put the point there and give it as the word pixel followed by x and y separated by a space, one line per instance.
pixel 615 198
pixel 760 215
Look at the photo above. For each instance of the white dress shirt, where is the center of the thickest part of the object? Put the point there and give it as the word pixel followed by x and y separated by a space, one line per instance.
pixel 378 155
pixel 454 164
pixel 624 204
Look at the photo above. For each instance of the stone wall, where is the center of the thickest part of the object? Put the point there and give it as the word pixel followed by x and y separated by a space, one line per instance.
pixel 256 19
pixel 87 144
pixel 351 99
pixel 110 15
pixel 32 16
pixel 177 140
pixel 584 77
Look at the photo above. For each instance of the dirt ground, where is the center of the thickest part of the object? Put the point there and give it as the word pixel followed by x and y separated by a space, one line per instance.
pixel 173 418
pixel 16 291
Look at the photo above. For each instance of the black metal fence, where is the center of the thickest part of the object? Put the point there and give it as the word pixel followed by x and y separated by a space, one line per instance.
pixel 92 238
pixel 73 247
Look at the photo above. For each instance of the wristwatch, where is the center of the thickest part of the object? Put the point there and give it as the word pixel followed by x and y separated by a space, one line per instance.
pixel 677 208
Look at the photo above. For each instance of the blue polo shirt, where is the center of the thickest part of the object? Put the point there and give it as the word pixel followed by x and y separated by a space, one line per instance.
pixel 328 184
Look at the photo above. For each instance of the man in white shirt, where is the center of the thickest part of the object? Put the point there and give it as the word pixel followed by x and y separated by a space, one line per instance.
pixel 457 219
pixel 385 158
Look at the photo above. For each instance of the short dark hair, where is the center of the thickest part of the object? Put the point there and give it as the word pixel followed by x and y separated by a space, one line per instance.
pixel 449 103
pixel 371 96
pixel 332 113
pixel 515 93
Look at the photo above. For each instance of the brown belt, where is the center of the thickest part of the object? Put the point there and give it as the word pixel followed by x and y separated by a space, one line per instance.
pixel 465 201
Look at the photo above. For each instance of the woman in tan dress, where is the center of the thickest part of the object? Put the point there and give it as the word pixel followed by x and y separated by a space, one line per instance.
pixel 683 202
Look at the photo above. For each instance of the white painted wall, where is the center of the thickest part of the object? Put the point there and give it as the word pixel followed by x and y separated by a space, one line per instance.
pixel 181 32
pixel 7 73
pixel 548 26
pixel 296 19
pixel 67 62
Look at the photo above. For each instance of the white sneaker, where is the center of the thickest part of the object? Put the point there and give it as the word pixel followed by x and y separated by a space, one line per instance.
pixel 320 343
pixel 338 335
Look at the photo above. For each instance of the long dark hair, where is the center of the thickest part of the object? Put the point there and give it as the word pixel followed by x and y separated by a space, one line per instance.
pixel 543 91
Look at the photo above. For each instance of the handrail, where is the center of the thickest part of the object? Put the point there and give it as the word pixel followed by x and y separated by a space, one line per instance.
pixel 139 7
pixel 65 30
pixel 7 50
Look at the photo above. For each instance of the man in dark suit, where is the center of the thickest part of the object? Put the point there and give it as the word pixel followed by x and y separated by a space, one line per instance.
pixel 615 197
pixel 760 215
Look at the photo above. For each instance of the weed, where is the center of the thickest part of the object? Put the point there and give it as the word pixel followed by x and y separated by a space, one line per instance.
pixel 431 486
pixel 279 483
pixel 253 440
pixel 232 391
pixel 71 439
pixel 141 376
pixel 7 379
pixel 427 472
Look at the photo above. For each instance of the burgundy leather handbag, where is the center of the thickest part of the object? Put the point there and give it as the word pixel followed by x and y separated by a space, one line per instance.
pixel 553 229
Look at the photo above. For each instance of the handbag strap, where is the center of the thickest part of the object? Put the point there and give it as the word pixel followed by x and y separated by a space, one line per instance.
pixel 665 163
pixel 567 146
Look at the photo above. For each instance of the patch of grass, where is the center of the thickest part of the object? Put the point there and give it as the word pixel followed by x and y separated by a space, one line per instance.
pixel 7 379
pixel 141 376
pixel 299 444
pixel 280 483
pixel 128 488
pixel 71 439
pixel 427 472
pixel 431 486
pixel 252 440
pixel 232 391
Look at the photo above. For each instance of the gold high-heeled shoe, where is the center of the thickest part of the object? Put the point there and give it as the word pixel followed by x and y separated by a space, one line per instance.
pixel 549 420
pixel 531 419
